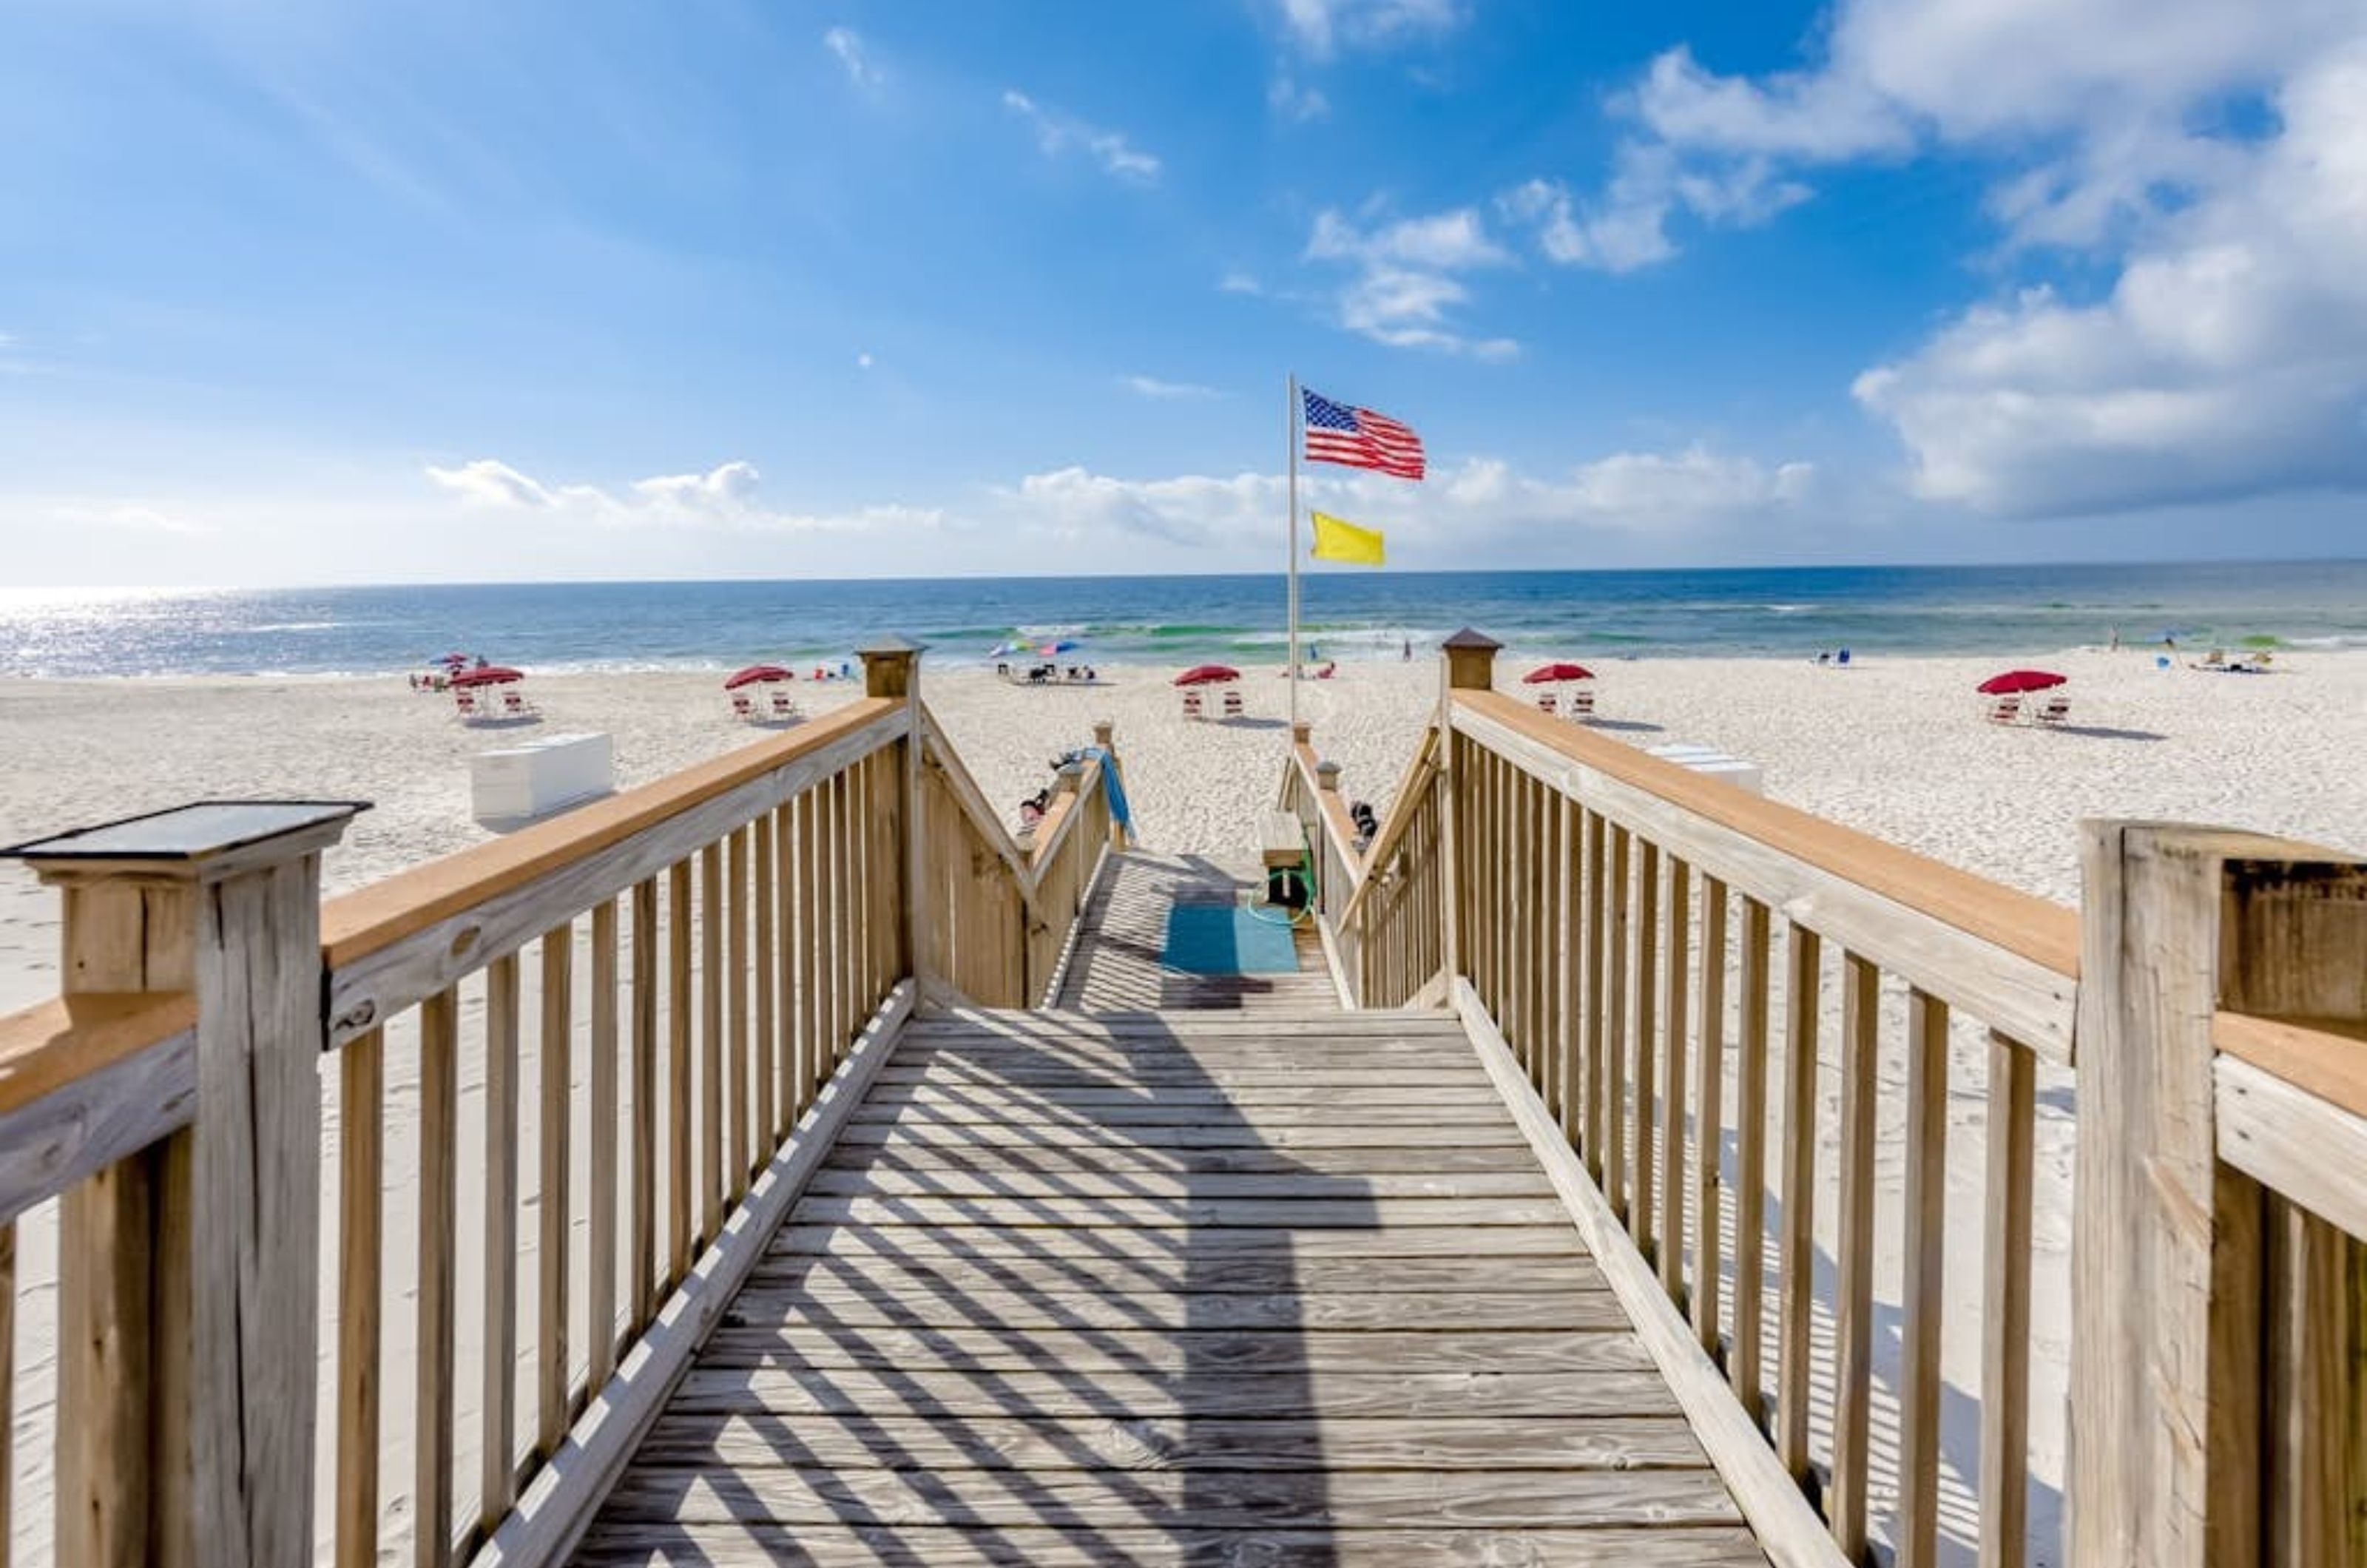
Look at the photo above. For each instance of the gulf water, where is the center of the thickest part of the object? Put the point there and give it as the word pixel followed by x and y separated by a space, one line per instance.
pixel 1777 613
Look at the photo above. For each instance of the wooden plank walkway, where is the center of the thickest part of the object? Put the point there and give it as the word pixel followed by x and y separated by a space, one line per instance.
pixel 1198 1288
pixel 1117 968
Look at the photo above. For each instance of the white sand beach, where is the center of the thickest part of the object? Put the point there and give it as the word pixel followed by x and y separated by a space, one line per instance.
pixel 1893 747
pixel 1896 748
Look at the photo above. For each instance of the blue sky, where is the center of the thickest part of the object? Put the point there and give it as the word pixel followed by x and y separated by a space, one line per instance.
pixel 335 292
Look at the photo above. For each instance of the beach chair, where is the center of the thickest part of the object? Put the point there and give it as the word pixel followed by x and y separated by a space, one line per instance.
pixel 1233 702
pixel 2057 710
pixel 2005 710
pixel 1582 703
pixel 1547 703
pixel 514 705
pixel 465 703
pixel 1192 707
pixel 785 706
pixel 1843 657
pixel 742 708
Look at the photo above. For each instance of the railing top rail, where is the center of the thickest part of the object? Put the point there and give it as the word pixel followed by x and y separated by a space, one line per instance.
pixel 1333 811
pixel 1060 818
pixel 59 1041
pixel 370 919
pixel 2042 931
pixel 969 796
pixel 1404 807
pixel 2323 1056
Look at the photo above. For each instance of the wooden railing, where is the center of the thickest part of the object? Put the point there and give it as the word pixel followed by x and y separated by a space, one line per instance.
pixel 1705 999
pixel 1377 904
pixel 999 915
pixel 596 1039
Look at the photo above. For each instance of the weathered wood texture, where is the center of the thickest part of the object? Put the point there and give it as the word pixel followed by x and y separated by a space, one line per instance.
pixel 1082 1330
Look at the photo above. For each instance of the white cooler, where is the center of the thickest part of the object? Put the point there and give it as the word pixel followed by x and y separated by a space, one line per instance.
pixel 1712 763
pixel 536 777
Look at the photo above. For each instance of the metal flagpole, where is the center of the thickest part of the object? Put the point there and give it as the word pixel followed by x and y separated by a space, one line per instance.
pixel 1290 438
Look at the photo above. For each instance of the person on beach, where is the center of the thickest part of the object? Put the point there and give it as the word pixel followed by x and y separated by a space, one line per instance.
pixel 2116 644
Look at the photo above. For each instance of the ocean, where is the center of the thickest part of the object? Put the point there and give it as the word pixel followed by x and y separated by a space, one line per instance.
pixel 1787 613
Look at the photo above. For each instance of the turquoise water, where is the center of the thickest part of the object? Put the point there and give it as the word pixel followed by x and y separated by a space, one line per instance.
pixel 1173 620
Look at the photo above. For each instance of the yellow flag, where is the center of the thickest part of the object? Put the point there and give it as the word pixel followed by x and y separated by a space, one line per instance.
pixel 1335 540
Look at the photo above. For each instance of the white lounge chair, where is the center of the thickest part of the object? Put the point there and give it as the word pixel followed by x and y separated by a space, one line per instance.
pixel 2005 710
pixel 1194 708
pixel 2057 711
pixel 1547 703
pixel 785 703
pixel 1582 703
pixel 1233 702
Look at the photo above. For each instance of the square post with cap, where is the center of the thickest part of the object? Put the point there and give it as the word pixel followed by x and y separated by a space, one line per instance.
pixel 187 1315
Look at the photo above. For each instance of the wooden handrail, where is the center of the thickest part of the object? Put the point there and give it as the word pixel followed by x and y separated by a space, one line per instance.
pixel 1333 811
pixel 1405 807
pixel 365 922
pixel 53 1043
pixel 2325 1057
pixel 2042 932
pixel 1059 817
pixel 936 753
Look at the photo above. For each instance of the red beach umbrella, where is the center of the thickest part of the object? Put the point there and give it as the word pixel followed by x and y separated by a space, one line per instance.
pixel 490 675
pixel 1548 674
pixel 2022 681
pixel 455 659
pixel 1207 675
pixel 755 674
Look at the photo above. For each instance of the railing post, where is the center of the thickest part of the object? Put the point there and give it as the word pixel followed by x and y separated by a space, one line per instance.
pixel 1469 664
pixel 2169 1444
pixel 891 669
pixel 188 1274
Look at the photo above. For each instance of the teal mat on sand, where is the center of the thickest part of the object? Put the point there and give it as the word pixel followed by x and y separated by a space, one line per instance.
pixel 1226 939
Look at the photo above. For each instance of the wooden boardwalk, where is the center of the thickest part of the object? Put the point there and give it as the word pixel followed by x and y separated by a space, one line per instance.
pixel 1197 1288
pixel 1117 968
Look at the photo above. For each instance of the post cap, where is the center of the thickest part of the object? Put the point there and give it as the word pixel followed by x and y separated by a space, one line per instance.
pixel 1327 774
pixel 203 838
pixel 1467 639
pixel 888 645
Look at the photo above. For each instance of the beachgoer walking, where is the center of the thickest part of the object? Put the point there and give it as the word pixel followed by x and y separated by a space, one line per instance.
pixel 2116 640
pixel 1407 654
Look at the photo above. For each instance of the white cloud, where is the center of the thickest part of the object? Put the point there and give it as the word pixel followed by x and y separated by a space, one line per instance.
pixel 863 362
pixel 1403 291
pixel 1318 26
pixel 1477 504
pixel 1236 281
pixel 1167 391
pixel 1294 101
pixel 1058 133
pixel 721 499
pixel 2229 358
pixel 129 517
pixel 2211 156
pixel 852 56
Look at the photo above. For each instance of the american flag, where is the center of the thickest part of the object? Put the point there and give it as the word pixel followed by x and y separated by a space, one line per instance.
pixel 1360 438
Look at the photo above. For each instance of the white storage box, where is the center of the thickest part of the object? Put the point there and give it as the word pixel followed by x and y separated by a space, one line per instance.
pixel 535 777
pixel 1711 762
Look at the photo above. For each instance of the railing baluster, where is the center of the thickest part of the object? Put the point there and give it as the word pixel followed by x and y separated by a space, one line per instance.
pixel 1797 1299
pixel 1750 1165
pixel 680 1004
pixel 767 957
pixel 644 1179
pixel 710 1073
pixel 8 1389
pixel 811 893
pixel 1591 1019
pixel 361 1162
pixel 600 1269
pixel 554 1204
pixel 2005 1289
pixel 741 1147
pixel 1679 930
pixel 1615 1032
pixel 1926 1208
pixel 1566 965
pixel 440 1117
pixel 784 1090
pixel 496 1455
pixel 1643 1221
pixel 1854 1378
pixel 1709 1125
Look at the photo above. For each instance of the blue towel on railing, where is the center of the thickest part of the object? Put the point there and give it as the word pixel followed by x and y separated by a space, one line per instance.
pixel 1117 787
